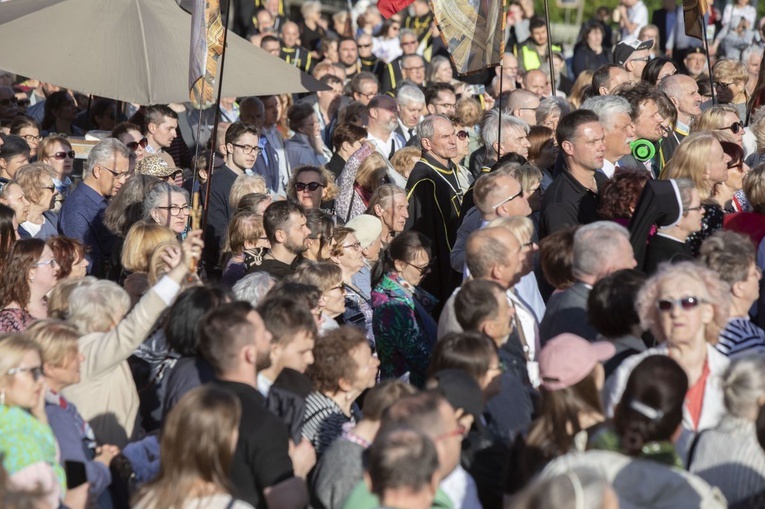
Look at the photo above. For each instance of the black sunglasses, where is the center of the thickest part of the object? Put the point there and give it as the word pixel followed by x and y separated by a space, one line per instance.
pixel 311 186
pixel 60 156
pixel 133 145
pixel 735 127
pixel 462 135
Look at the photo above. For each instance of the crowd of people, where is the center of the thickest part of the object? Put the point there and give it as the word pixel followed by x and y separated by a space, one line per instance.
pixel 404 290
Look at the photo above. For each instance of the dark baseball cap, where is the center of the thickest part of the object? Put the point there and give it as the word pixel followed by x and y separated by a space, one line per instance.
pixel 697 49
pixel 624 50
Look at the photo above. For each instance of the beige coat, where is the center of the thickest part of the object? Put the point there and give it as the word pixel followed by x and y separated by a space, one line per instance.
pixel 106 395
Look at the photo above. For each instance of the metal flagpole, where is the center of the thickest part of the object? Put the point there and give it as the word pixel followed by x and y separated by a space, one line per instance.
pixel 549 47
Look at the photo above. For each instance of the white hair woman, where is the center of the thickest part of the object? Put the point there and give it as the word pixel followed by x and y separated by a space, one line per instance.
pixel 729 455
pixel 685 306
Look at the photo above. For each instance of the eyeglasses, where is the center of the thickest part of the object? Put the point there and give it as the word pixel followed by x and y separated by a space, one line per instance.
pixel 356 246
pixel 175 210
pixel 457 432
pixel 735 127
pixel 687 303
pixel 518 194
pixel 133 145
pixel 424 271
pixel 690 209
pixel 50 188
pixel 31 137
pixel 739 165
pixel 462 135
pixel 722 84
pixel 60 156
pixel 116 174
pixel 311 186
pixel 52 262
pixel 36 371
pixel 247 149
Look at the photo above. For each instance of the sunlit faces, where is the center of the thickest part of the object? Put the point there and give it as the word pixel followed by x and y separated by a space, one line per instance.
pixel 695 63
pixel 730 118
pixel 588 147
pixel 348 51
pixel 165 132
pixel 110 180
pixel 174 213
pixel 309 189
pixel 44 272
pixel 680 326
pixel 132 139
pixel 333 299
pixel 444 141
pixel 648 122
pixel 48 193
pixel 445 103
pixel 394 217
pixel 295 235
pixel 692 216
pixel 515 140
pixel 238 152
pixel 352 258
pixel 410 114
pixel 261 340
pixel 59 160
pixel 717 166
pixel 366 367
pixel 17 200
pixel 12 164
pixel 69 372
pixel 416 269
pixel 32 136
pixel 26 384
pixel 298 353
pixel 619 136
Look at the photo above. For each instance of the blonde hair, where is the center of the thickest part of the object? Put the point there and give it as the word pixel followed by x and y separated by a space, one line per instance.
pixel 244 226
pixel 731 69
pixel 690 161
pixel 246 184
pixel 758 129
pixel 31 178
pixel 322 275
pixel 402 160
pixel 58 340
pixel 371 171
pixel 584 80
pixel 13 347
pixel 712 118
pixel 521 227
pixel 754 188
pixel 140 242
pixel 469 111
pixel 98 307
pixel 45 148
pixel 58 299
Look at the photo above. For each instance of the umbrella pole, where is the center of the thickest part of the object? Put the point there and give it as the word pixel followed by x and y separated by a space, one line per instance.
pixel 549 48
pixel 214 134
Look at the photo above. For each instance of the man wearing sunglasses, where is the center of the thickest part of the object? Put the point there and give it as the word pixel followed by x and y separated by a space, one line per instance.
pixel 82 214
pixel 242 150
pixel 633 56
pixel 368 61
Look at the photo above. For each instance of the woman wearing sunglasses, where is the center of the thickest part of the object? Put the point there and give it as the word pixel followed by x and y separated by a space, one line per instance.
pixel 685 306
pixel 724 118
pixel 36 180
pixel 729 194
pixel 56 152
pixel 130 135
pixel 404 329
pixel 23 290
pixel 27 444
pixel 731 78
pixel 311 186
pixel 461 132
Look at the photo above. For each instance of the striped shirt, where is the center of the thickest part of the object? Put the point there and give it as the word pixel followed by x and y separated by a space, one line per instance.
pixel 741 335
pixel 730 458
pixel 323 421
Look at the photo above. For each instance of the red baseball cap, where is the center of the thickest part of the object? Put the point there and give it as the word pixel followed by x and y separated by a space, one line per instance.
pixel 567 359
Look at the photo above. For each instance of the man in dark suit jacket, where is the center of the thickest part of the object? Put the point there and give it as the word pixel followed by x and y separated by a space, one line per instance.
pixel 600 248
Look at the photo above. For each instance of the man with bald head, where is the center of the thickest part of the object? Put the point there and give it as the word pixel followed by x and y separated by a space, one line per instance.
pixel 291 51
pixel 435 198
pixel 683 91
pixel 494 254
pixel 523 104
pixel 537 82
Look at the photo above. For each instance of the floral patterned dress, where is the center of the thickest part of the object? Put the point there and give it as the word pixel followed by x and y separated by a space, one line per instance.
pixel 404 330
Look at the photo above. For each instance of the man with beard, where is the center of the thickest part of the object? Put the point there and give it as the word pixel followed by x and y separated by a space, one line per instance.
pixel 236 343
pixel 383 122
pixel 348 52
pixel 435 198
pixel 285 225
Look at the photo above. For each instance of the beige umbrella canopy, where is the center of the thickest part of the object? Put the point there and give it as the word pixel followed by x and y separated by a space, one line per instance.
pixel 130 50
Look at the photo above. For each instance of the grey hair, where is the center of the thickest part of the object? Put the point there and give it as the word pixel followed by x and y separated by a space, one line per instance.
pixel 744 385
pixel 435 63
pixel 671 85
pixel 404 58
pixel 490 127
pixel 686 188
pixel 594 246
pixel 409 94
pixel 310 6
pixel 606 107
pixel 93 308
pixel 565 486
pixel 406 31
pixel 156 196
pixel 550 106
pixel 427 127
pixel 104 153
pixel 253 287
pixel 752 50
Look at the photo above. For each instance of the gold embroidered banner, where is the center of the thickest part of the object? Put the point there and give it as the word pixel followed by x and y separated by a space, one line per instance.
pixel 206 49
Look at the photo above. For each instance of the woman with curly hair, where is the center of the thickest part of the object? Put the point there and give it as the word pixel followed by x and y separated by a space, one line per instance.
pixel 343 368
pixel 312 186
pixel 619 196
pixel 685 306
